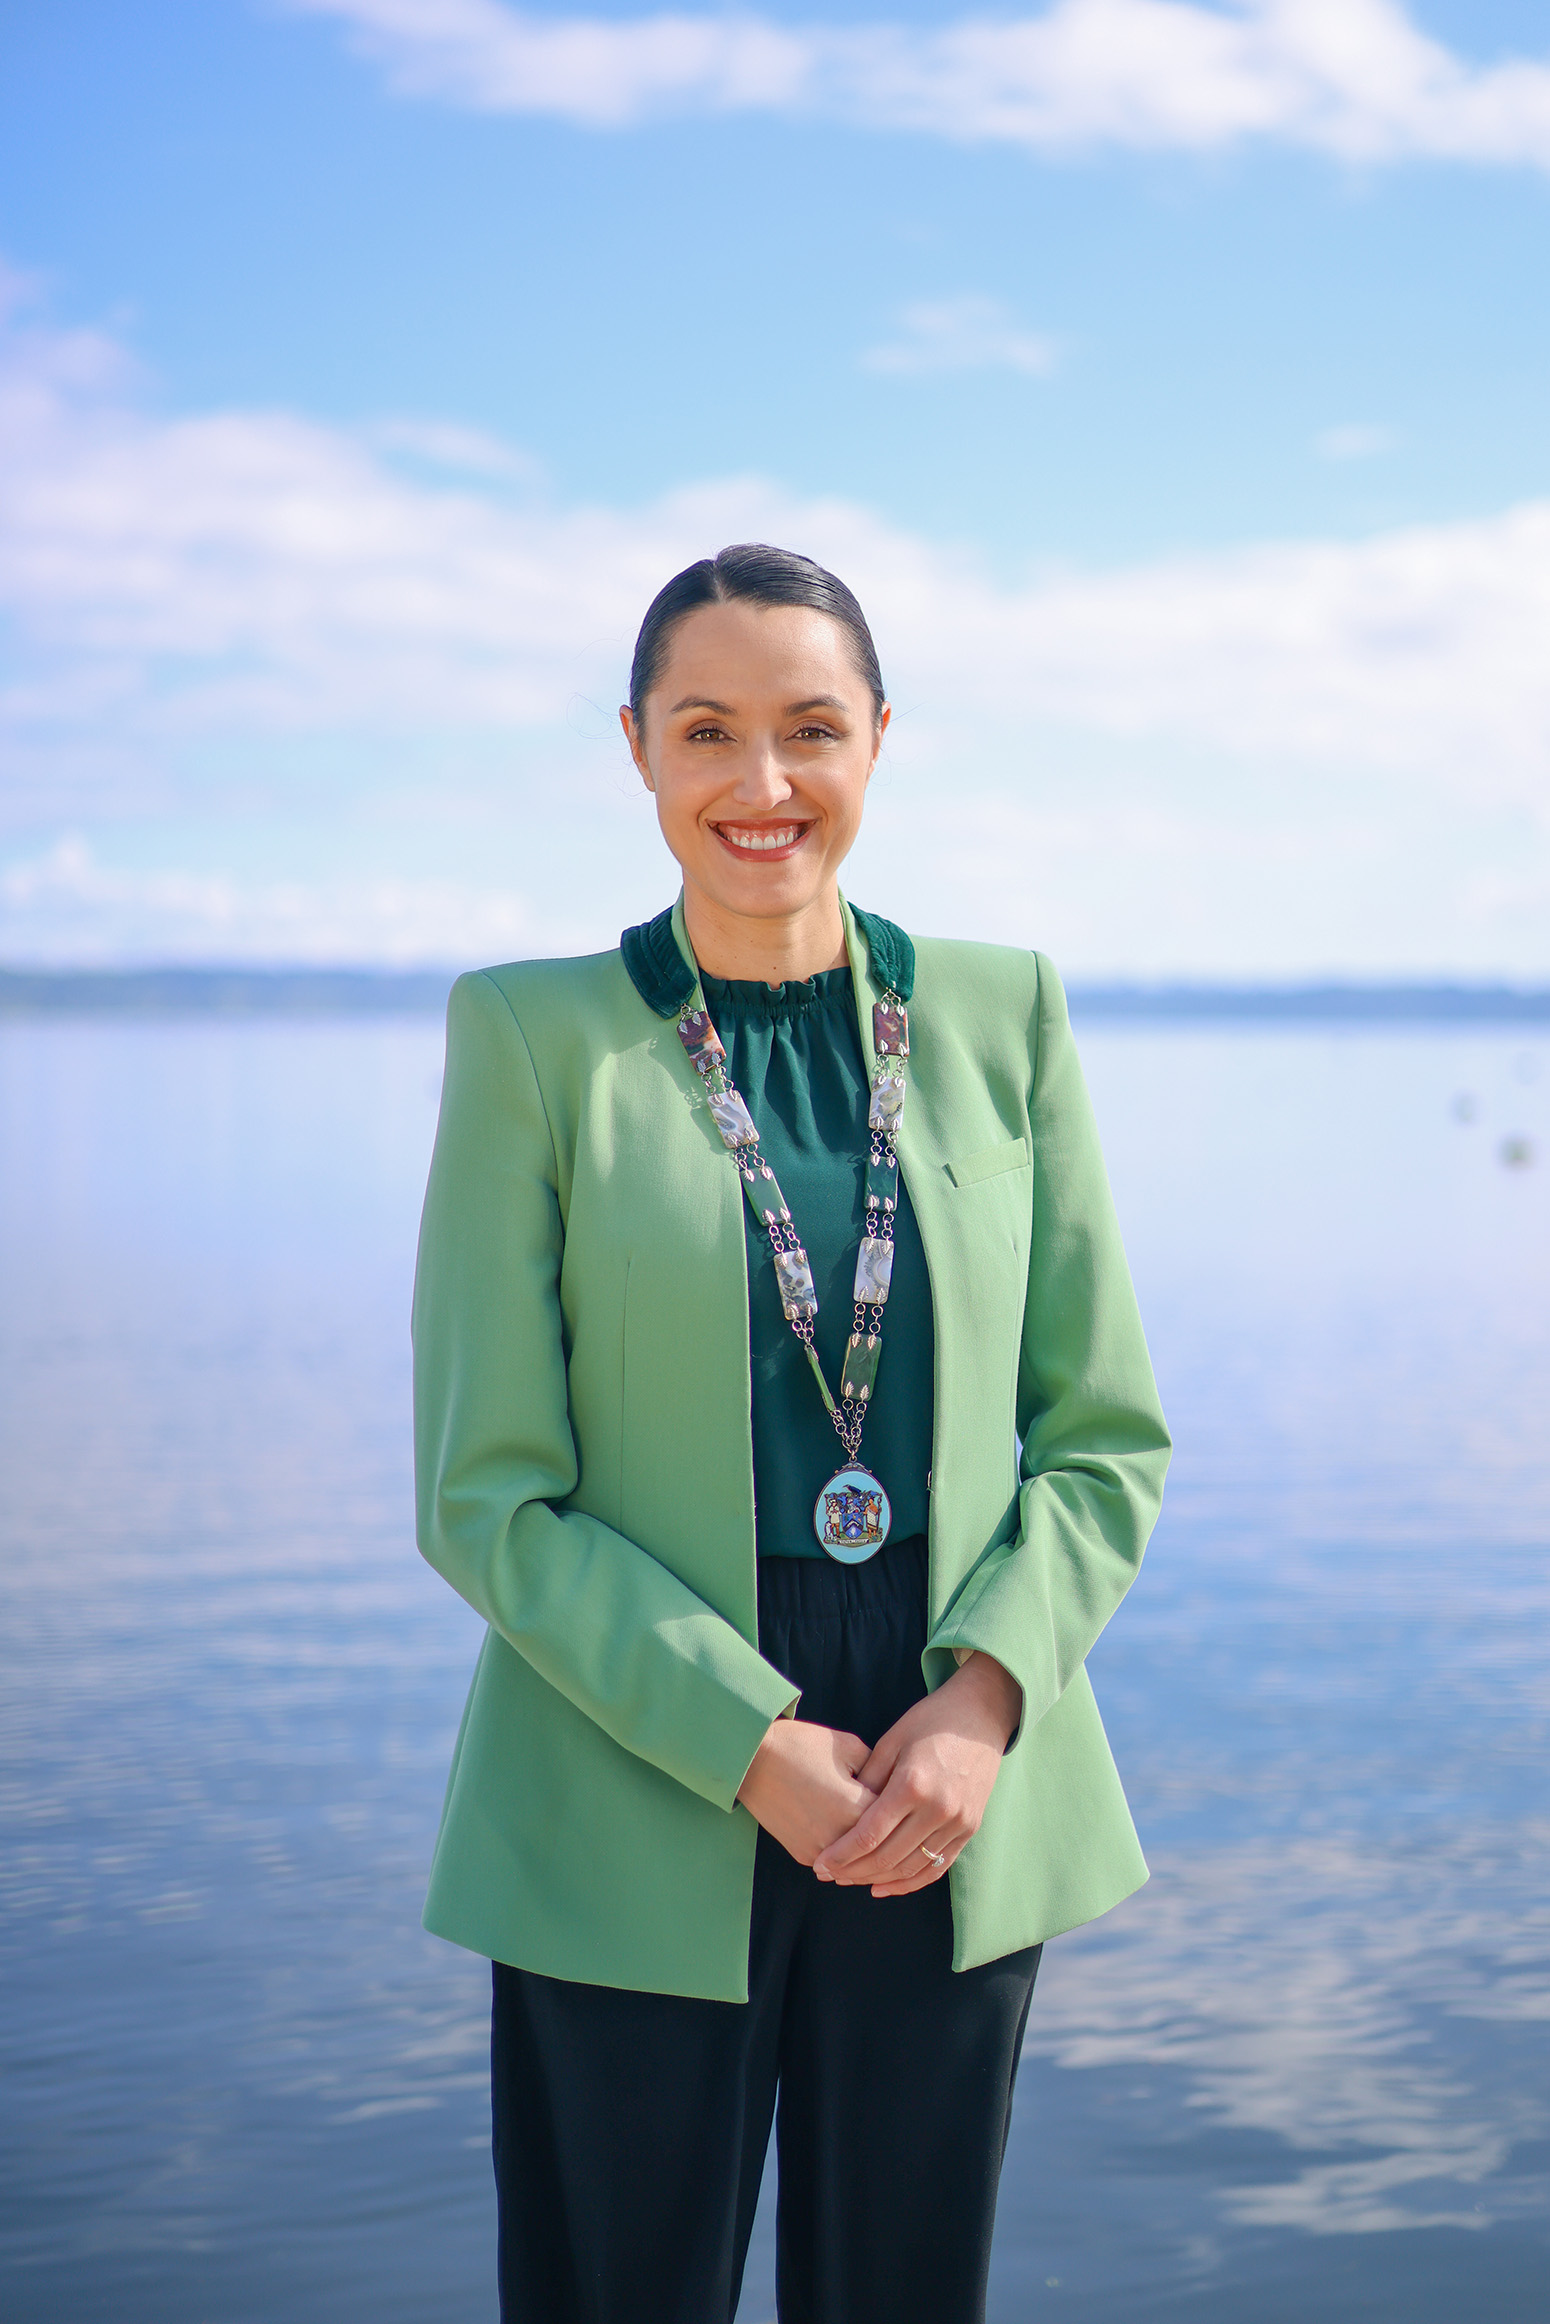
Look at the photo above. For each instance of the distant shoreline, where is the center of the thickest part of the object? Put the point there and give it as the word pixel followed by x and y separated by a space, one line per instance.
pixel 367 992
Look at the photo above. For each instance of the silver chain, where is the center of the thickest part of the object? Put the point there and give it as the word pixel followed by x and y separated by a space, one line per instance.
pixel 849 1418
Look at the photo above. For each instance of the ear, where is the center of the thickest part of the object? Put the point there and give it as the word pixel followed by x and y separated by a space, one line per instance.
pixel 636 739
pixel 879 731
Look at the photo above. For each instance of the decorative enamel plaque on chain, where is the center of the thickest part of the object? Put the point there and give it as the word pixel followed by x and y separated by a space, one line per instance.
pixel 852 1514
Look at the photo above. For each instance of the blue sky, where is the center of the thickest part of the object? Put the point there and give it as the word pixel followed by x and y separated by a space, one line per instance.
pixel 1173 382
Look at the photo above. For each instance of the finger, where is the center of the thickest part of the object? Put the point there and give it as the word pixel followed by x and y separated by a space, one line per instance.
pixel 927 1860
pixel 911 1885
pixel 852 1754
pixel 897 1853
pixel 893 1851
pixel 879 1844
pixel 907 1882
pixel 859 1845
pixel 881 1761
pixel 868 1831
pixel 911 1851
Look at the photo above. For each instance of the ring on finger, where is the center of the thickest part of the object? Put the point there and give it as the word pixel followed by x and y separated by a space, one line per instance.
pixel 937 1860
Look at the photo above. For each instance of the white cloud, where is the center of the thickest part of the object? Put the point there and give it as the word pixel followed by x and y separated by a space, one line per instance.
pixel 1356 79
pixel 1352 440
pixel 602 72
pixel 962 334
pixel 255 569
pixel 67 905
pixel 1270 722
pixel 443 445
pixel 1497 898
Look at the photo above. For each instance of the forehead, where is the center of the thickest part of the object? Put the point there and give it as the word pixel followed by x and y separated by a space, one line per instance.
pixel 789 651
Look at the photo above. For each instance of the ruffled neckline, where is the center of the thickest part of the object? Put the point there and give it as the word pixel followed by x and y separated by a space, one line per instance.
pixel 830 988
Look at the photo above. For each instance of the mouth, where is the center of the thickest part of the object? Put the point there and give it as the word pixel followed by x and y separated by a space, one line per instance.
pixel 768 842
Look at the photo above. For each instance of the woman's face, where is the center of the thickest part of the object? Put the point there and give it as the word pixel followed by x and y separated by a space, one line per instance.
pixel 758 741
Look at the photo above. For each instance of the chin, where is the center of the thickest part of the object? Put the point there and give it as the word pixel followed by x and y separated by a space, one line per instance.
pixel 766 895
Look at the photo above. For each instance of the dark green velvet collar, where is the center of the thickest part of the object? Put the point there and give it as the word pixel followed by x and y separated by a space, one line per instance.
pixel 662 976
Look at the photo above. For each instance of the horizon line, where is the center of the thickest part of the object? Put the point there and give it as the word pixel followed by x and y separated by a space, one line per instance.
pixel 369 988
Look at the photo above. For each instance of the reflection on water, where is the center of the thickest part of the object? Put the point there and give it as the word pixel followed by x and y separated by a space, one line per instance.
pixel 1304 2071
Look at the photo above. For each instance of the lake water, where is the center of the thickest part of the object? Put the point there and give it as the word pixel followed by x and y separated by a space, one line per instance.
pixel 1303 2073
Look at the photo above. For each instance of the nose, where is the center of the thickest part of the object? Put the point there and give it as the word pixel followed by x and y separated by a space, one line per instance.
pixel 762 783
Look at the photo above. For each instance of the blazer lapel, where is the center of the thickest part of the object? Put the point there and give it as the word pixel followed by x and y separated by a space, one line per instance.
pixel 686 1320
pixel 920 1179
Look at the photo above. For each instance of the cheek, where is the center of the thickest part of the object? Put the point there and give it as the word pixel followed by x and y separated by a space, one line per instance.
pixel 678 799
pixel 849 798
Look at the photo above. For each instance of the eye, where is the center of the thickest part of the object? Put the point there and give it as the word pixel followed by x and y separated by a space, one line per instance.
pixel 706 734
pixel 815 733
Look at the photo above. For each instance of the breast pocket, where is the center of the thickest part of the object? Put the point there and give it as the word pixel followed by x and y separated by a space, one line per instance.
pixel 992 1163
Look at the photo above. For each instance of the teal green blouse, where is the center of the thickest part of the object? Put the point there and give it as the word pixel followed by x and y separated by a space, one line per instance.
pixel 794 1053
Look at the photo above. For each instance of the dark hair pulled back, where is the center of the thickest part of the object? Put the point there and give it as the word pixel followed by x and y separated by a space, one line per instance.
pixel 757 575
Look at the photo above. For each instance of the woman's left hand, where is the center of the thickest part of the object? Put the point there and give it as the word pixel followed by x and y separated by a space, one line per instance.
pixel 933 1772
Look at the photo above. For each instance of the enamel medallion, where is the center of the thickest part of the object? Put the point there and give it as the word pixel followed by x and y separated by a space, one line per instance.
pixel 851 1516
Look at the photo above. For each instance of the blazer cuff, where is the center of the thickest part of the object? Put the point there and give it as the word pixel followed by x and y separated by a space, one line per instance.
pixel 956 1639
pixel 789 1712
pixel 730 1740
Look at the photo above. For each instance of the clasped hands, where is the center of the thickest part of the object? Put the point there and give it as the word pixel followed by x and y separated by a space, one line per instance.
pixel 877 1816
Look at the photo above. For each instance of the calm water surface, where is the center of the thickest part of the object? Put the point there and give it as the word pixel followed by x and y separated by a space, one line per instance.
pixel 1303 2073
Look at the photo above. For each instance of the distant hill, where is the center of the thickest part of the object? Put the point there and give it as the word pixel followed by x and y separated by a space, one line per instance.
pixel 372 992
pixel 1347 1004
pixel 223 992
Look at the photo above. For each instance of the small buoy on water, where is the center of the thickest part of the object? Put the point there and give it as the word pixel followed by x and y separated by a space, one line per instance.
pixel 1516 1153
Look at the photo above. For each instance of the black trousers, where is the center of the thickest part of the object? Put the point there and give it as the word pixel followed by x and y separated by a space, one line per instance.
pixel 630 2128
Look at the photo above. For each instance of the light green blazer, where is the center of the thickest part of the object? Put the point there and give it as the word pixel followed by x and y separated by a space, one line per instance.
pixel 585 1472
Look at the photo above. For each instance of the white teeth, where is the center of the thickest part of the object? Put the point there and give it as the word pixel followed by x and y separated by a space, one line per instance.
pixel 757 842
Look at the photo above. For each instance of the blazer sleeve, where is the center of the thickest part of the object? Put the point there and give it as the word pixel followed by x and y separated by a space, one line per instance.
pixel 594 1614
pixel 1095 1445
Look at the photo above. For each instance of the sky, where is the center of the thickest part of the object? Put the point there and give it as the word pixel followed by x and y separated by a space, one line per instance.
pixel 1170 378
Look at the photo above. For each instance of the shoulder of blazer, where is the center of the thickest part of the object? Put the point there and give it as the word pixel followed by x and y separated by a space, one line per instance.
pixel 998 1004
pixel 540 993
pixel 1000 976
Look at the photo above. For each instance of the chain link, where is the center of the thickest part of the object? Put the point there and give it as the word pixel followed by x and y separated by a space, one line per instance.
pixel 882 1153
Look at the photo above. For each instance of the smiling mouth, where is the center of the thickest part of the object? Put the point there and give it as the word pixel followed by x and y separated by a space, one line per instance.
pixel 762 839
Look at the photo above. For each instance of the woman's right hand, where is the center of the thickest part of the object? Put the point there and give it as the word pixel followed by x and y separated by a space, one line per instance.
pixel 802 1786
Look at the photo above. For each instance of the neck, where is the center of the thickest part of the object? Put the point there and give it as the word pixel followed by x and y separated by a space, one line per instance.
pixel 780 951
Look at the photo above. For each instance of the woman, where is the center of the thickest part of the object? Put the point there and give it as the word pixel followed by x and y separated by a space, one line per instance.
pixel 780 1761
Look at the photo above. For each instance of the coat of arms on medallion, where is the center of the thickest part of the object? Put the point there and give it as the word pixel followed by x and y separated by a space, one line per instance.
pixel 853 1516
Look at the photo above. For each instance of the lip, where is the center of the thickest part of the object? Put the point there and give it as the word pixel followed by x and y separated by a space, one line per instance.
pixel 746 854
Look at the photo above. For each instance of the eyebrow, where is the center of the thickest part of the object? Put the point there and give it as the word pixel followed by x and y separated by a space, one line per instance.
pixel 725 710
